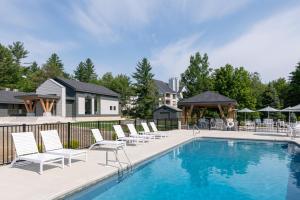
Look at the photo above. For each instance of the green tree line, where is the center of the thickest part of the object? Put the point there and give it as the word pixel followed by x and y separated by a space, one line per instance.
pixel 235 82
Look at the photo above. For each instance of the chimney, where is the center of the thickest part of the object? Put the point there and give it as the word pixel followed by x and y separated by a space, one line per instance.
pixel 174 83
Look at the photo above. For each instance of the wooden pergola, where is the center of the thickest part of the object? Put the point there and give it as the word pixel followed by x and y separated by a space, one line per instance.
pixel 30 101
pixel 205 100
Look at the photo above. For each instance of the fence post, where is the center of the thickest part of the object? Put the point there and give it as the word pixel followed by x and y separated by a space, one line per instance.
pixel 254 126
pixel 166 124
pixel 69 134
pixel 98 125
pixel 23 127
pixel 209 123
pixel 135 122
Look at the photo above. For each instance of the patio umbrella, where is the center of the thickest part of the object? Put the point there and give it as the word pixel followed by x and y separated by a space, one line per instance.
pixel 268 109
pixel 291 110
pixel 245 110
pixel 288 109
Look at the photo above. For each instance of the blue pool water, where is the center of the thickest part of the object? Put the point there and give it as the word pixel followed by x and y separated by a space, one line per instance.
pixel 210 170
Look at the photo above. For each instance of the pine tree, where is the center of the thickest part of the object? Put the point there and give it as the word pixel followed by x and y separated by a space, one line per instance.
pixel 54 67
pixel 294 87
pixel 85 71
pixel 145 89
pixel 18 51
pixel 9 70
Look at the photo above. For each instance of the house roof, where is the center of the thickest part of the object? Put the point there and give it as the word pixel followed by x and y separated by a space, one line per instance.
pixel 163 87
pixel 86 87
pixel 207 98
pixel 169 107
pixel 9 97
pixel 36 96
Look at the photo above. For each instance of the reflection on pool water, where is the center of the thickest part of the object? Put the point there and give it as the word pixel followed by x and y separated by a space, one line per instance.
pixel 211 169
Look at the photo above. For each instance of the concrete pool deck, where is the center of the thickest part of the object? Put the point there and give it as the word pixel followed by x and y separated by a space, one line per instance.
pixel 25 183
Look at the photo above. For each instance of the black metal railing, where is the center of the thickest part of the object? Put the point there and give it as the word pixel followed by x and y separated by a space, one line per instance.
pixel 250 126
pixel 75 135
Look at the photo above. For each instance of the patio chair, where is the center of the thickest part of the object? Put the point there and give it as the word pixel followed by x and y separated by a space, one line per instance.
pixel 101 142
pixel 202 123
pixel 219 124
pixel 121 135
pixel 157 134
pixel 258 122
pixel 155 130
pixel 268 123
pixel 134 133
pixel 54 146
pixel 295 130
pixel 26 149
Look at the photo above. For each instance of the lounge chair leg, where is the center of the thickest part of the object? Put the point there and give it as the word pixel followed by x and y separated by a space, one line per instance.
pixel 62 163
pixel 70 160
pixel 13 162
pixel 41 168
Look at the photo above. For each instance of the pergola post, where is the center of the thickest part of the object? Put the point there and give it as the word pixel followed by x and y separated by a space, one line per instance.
pixel 30 106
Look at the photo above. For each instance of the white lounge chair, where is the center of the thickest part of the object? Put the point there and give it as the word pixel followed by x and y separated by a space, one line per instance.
pixel 147 131
pixel 134 133
pixel 155 130
pixel 54 146
pixel 26 149
pixel 100 141
pixel 121 135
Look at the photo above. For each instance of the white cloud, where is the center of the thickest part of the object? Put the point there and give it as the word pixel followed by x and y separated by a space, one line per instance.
pixel 271 47
pixel 201 10
pixel 108 19
pixel 174 58
pixel 39 49
pixel 104 19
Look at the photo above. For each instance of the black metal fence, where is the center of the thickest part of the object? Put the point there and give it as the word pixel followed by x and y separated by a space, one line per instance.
pixel 73 135
pixel 250 126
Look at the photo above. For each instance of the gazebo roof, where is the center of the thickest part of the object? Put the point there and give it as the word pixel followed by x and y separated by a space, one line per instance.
pixel 208 98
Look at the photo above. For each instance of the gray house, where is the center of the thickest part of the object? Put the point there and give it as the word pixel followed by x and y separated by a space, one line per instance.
pixel 10 105
pixel 61 97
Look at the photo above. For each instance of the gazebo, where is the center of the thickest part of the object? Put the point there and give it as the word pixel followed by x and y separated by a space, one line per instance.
pixel 31 99
pixel 208 99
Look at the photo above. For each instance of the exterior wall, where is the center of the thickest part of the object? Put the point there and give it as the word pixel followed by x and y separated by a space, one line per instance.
pixel 52 87
pixel 165 113
pixel 12 110
pixel 168 99
pixel 106 103
pixel 81 105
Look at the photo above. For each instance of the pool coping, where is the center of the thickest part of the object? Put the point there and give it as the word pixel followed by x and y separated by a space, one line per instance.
pixel 148 159
pixel 112 174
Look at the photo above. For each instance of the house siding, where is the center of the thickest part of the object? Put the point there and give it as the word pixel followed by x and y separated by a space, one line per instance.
pixel 52 87
pixel 106 103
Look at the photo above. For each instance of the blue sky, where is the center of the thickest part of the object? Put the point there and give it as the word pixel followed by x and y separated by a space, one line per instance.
pixel 261 35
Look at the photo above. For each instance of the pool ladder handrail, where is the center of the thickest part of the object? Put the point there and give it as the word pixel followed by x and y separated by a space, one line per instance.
pixel 197 128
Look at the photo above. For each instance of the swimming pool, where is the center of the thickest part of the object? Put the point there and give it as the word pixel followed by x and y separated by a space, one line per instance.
pixel 210 169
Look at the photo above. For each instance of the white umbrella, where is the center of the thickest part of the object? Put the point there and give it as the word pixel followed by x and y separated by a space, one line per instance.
pixel 288 109
pixel 268 109
pixel 295 108
pixel 245 110
pixel 291 109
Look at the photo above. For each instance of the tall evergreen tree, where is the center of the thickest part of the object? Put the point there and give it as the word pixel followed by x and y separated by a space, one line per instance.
pixel 54 67
pixel 294 87
pixel 270 97
pixel 9 69
pixel 196 77
pixel 18 51
pixel 85 71
pixel 145 89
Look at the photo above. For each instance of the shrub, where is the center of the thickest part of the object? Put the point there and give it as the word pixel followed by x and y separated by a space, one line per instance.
pixel 74 144
pixel 114 136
